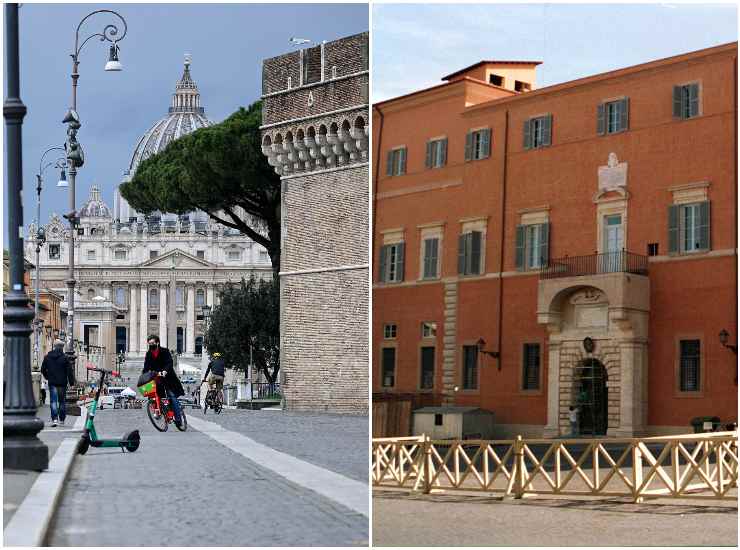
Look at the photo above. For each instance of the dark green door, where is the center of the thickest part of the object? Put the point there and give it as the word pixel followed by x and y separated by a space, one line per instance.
pixel 591 397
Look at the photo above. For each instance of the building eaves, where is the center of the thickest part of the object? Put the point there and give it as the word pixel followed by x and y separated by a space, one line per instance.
pixel 439 87
pixel 489 62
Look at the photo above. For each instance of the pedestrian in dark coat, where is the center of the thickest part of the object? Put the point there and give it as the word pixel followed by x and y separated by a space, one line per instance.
pixel 159 359
pixel 58 371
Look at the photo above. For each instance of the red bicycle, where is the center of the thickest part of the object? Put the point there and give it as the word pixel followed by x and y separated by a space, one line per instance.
pixel 159 409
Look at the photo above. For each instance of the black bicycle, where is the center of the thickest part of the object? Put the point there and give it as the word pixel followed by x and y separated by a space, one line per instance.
pixel 214 399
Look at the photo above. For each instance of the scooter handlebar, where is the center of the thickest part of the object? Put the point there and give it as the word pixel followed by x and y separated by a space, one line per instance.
pixel 111 372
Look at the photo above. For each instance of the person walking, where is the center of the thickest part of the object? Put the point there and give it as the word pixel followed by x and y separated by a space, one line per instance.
pixel 159 360
pixel 42 391
pixel 573 417
pixel 58 371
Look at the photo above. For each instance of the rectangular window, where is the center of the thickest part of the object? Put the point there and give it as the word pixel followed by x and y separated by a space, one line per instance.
pixel 431 258
pixel 427 368
pixel 531 367
pixel 469 253
pixel 81 231
pixel 496 80
pixel 392 263
pixel 153 317
pixel 532 246
pixel 428 330
pixel 119 254
pixel 652 249
pixel 436 153
pixel 686 101
pixel 53 251
pixel 612 117
pixel 233 255
pixel 200 254
pixel 470 368
pixel 478 144
pixel 389 331
pixel 538 132
pixel 688 227
pixel 153 254
pixel 396 162
pixel 690 364
pixel 388 374
pixel 520 86
pixel 90 254
pixel 179 295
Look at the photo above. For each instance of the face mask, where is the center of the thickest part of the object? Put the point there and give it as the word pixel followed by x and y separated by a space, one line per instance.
pixel 152 347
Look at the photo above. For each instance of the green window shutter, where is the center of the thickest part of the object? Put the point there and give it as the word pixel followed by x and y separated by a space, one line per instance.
pixel 461 254
pixel 383 263
pixel 624 113
pixel 704 226
pixel 544 244
pixel 469 146
pixel 486 145
pixel 443 153
pixel 430 258
pixel 693 100
pixel 601 119
pixel 402 162
pixel 389 164
pixel 399 261
pixel 677 101
pixel 673 228
pixel 520 242
pixel 430 146
pixel 528 134
pixel 475 252
pixel 547 130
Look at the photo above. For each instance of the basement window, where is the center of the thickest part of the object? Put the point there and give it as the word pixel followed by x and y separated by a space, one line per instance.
pixel 496 80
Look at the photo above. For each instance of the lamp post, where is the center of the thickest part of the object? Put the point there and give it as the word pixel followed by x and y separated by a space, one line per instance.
pixel 40 239
pixel 75 154
pixel 22 449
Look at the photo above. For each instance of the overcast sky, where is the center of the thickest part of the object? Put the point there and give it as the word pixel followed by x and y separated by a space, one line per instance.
pixel 415 45
pixel 227 42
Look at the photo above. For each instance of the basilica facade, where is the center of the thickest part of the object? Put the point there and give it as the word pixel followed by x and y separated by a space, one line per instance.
pixel 139 275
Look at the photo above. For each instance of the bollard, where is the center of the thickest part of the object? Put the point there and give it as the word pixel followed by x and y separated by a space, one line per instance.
pixel 519 470
pixel 636 472
pixel 427 465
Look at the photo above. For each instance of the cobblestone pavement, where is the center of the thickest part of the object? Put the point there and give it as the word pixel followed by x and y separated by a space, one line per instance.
pixel 336 442
pixel 184 489
pixel 401 519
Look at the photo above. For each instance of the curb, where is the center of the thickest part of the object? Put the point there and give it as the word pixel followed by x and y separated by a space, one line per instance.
pixel 30 523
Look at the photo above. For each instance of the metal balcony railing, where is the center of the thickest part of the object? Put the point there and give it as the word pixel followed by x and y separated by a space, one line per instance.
pixel 594 264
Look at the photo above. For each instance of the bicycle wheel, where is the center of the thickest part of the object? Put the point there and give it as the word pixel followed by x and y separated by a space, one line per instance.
pixel 218 406
pixel 183 427
pixel 158 418
pixel 205 405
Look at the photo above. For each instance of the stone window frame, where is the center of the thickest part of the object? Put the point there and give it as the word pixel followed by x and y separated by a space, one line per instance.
pixel 393 237
pixel 539 215
pixel 91 254
pixel 460 378
pixel 58 254
pixel 125 301
pixel 428 338
pixel 386 330
pixel 152 303
pixel 468 225
pixel 388 345
pixel 700 85
pixel 434 230
pixel 685 195
pixel 117 250
pixel 520 378
pixel 426 343
pixel 677 393
pixel 610 207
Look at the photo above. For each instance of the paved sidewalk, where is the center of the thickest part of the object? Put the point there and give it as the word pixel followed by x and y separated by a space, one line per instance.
pixel 17 483
pixel 185 489
pixel 402 519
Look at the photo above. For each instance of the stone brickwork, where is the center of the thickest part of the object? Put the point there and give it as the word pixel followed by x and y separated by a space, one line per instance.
pixel 316 137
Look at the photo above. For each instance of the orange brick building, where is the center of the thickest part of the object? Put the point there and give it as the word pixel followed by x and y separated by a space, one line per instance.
pixel 575 245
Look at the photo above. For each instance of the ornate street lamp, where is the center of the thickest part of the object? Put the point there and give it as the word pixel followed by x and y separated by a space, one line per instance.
pixel 22 449
pixel 75 154
pixel 40 239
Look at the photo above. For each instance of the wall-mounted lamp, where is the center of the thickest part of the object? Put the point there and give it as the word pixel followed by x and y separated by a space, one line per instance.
pixel 481 342
pixel 723 337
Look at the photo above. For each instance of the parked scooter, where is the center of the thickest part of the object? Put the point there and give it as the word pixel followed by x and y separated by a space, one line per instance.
pixel 129 442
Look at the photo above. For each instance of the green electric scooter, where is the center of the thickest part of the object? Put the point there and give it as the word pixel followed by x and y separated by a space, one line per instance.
pixel 129 442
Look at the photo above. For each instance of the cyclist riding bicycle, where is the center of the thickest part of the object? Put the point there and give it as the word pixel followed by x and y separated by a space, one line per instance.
pixel 217 368
pixel 159 359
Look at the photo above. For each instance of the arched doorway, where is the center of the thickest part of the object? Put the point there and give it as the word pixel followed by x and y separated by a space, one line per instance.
pixel 590 396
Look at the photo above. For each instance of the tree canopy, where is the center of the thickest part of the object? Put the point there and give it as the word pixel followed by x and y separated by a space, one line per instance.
pixel 247 313
pixel 216 169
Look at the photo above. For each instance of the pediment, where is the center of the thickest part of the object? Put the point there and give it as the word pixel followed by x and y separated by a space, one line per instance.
pixel 182 260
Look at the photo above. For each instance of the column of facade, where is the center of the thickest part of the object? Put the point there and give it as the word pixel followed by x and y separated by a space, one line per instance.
pixel 107 290
pixel 209 295
pixel 190 320
pixel 133 337
pixel 163 340
pixel 552 429
pixel 144 318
